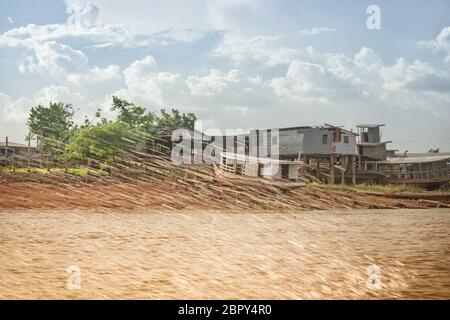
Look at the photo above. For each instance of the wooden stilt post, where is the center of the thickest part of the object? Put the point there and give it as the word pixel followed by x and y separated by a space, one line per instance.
pixel 318 168
pixel 14 161
pixel 353 170
pixel 235 154
pixel 332 161
pixel 420 169
pixel 28 152
pixel 41 144
pixel 6 152
pixel 344 165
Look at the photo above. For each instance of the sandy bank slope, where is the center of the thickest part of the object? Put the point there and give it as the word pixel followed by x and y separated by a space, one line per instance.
pixel 195 196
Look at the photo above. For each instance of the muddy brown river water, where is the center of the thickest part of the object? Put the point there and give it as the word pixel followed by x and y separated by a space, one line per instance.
pixel 143 255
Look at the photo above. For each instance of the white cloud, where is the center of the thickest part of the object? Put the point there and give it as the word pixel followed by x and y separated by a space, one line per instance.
pixel 217 82
pixel 315 31
pixel 140 69
pixel 82 30
pixel 55 93
pixel 145 85
pixel 418 76
pixel 306 82
pixel 95 76
pixel 13 110
pixel 13 115
pixel 182 35
pixel 366 59
pixel 441 43
pixel 338 80
pixel 94 85
pixel 83 17
pixel 329 78
pixel 211 96
pixel 52 58
pixel 261 49
pixel 269 51
pixel 220 13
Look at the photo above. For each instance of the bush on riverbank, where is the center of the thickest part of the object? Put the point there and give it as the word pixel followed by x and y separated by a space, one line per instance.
pixel 387 188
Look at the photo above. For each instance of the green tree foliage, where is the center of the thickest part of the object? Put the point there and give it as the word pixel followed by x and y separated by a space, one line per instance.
pixel 52 124
pixel 102 141
pixel 133 115
pixel 176 119
pixel 137 117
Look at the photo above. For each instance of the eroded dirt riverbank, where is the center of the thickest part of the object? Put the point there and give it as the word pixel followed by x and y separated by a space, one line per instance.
pixel 187 195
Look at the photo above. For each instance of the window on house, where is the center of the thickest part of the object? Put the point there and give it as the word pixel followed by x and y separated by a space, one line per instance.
pixel 324 139
pixel 345 139
pixel 364 137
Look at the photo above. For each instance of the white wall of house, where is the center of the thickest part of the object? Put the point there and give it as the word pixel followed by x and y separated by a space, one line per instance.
pixel 293 171
pixel 315 141
pixel 251 169
pixel 273 171
pixel 346 148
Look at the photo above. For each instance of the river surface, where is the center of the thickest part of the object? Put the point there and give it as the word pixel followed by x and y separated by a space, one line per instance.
pixel 306 255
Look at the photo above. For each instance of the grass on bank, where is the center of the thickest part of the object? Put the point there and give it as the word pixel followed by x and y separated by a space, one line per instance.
pixel 42 171
pixel 387 188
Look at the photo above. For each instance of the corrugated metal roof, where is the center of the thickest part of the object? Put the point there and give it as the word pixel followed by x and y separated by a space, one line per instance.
pixel 415 159
pixel 427 154
pixel 372 143
pixel 369 125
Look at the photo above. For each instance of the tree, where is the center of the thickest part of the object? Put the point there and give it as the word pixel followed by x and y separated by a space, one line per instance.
pixel 176 119
pixel 88 122
pixel 52 124
pixel 103 141
pixel 137 117
pixel 133 115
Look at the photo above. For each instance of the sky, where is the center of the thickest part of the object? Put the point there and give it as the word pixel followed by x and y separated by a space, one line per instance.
pixel 235 64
